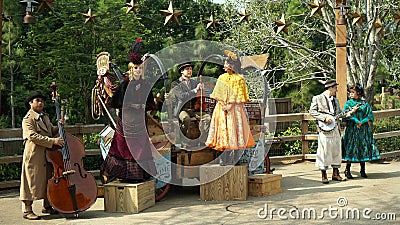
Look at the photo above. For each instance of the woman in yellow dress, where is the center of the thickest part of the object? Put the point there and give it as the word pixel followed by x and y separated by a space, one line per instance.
pixel 229 128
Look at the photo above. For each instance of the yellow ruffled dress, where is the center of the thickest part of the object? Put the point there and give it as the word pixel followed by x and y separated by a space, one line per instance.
pixel 230 130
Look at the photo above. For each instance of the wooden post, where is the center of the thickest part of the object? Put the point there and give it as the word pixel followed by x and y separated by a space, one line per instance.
pixel 341 57
pixel 304 132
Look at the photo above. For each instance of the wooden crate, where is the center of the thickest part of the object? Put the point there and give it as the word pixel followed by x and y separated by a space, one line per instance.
pixel 100 191
pixel 264 184
pixel 128 198
pixel 223 182
pixel 195 158
pixel 188 172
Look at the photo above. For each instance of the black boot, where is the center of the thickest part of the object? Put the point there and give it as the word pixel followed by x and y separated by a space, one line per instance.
pixel 362 172
pixel 347 171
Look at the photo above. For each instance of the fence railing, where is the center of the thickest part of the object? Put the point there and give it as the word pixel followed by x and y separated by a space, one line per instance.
pixel 304 118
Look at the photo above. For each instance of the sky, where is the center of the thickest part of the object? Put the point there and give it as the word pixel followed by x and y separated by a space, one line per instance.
pixel 218 1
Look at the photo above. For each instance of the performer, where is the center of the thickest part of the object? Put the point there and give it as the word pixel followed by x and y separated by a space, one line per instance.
pixel 106 81
pixel 38 134
pixel 229 129
pixel 328 152
pixel 358 144
pixel 185 91
pixel 130 156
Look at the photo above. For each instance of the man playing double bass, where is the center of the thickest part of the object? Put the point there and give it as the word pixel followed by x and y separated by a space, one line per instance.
pixel 38 134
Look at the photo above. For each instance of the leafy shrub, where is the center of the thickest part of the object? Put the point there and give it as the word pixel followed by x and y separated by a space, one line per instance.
pixel 11 171
pixel 292 147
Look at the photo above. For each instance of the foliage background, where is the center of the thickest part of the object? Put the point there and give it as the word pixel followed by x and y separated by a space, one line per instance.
pixel 60 47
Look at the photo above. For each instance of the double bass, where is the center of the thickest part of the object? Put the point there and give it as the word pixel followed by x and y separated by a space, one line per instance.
pixel 71 189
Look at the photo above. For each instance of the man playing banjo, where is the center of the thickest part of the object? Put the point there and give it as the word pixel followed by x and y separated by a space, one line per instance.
pixel 323 108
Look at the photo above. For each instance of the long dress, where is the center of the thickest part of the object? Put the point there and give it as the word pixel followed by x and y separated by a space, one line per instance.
pixel 230 130
pixel 130 155
pixel 358 144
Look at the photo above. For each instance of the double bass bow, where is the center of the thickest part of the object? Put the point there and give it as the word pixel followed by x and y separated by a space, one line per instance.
pixel 71 189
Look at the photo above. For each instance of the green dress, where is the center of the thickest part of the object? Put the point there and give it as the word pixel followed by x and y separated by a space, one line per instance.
pixel 358 144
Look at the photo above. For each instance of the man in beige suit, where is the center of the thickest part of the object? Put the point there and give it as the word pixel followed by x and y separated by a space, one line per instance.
pixel 38 134
pixel 329 151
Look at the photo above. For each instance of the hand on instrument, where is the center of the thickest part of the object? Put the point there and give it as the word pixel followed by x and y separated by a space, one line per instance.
pixel 59 142
pixel 199 86
pixel 353 110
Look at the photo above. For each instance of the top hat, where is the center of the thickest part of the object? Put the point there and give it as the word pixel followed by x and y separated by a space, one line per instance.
pixel 182 66
pixel 33 95
pixel 330 83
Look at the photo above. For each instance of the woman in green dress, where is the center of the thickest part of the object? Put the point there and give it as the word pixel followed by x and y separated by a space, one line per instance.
pixel 358 144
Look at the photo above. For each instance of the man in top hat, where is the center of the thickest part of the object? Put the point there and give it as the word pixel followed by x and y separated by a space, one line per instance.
pixel 185 91
pixel 38 134
pixel 329 153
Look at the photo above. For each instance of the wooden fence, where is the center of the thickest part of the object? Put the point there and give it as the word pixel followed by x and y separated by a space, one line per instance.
pixel 79 130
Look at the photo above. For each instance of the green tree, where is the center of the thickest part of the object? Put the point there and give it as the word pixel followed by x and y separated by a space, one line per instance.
pixel 308 50
pixel 60 47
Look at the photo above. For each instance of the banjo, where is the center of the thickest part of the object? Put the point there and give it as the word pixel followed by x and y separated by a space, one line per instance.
pixel 328 127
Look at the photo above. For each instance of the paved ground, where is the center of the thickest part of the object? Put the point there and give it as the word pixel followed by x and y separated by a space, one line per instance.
pixel 376 196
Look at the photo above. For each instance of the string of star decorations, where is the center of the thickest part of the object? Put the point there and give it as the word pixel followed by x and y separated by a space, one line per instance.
pixel 171 15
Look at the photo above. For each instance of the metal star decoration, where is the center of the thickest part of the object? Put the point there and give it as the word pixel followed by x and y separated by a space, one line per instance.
pixel 282 25
pixel 212 22
pixel 357 17
pixel 89 16
pixel 378 26
pixel 396 17
pixel 45 4
pixel 171 14
pixel 316 7
pixel 132 7
pixel 244 16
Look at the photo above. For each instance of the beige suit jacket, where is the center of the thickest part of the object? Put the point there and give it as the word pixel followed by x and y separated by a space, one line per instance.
pixel 38 136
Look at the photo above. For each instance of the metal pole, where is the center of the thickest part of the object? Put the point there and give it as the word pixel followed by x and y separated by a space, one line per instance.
pixel 341 57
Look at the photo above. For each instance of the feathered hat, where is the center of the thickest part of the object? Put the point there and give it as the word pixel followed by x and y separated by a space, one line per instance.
pixel 233 60
pixel 134 52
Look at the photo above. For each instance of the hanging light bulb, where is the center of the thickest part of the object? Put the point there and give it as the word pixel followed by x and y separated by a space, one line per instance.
pixel 28 18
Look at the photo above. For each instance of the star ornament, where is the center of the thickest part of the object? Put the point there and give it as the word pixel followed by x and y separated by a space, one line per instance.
pixel 212 22
pixel 282 25
pixel 45 4
pixel 396 17
pixel 316 7
pixel 132 7
pixel 357 17
pixel 171 14
pixel 244 16
pixel 378 27
pixel 89 16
